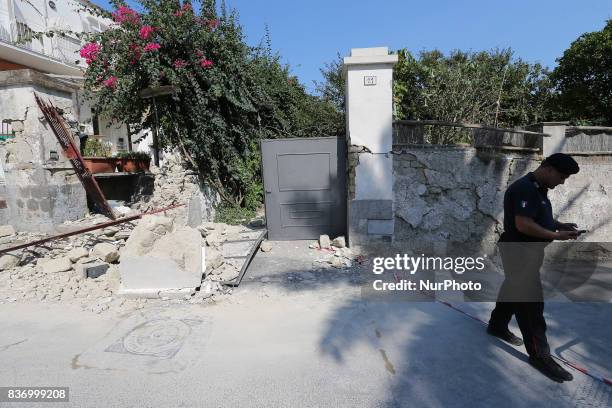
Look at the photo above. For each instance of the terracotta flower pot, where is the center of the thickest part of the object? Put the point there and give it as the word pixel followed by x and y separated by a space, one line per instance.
pixel 135 165
pixel 100 164
pixel 129 165
pixel 143 164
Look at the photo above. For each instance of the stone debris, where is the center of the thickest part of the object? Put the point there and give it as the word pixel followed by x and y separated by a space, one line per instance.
pixel 214 258
pixel 106 252
pixel 6 230
pixel 324 242
pixel 314 245
pixel 77 253
pixel 9 261
pixel 174 184
pixel 265 246
pixel 92 269
pixel 84 269
pixel 339 242
pixel 55 265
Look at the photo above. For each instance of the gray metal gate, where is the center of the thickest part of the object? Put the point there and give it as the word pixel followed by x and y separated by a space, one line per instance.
pixel 305 187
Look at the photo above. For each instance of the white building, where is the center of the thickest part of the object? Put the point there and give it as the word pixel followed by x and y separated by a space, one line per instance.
pixel 57 56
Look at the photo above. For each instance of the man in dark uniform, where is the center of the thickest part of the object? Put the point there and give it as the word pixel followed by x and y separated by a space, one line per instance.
pixel 528 227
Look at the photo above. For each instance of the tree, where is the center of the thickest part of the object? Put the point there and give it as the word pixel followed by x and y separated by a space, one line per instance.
pixel 227 95
pixel 583 79
pixel 489 88
pixel 333 87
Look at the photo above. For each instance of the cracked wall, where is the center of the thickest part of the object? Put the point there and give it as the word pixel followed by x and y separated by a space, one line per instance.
pixel 455 194
pixel 38 190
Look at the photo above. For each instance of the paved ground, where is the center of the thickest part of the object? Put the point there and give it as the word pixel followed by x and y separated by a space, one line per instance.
pixel 295 334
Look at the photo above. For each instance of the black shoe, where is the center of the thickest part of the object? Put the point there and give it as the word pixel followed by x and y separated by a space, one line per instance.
pixel 550 368
pixel 506 335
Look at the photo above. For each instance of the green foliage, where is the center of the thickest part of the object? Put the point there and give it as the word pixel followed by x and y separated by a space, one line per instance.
pixel 96 148
pixel 333 87
pixel 490 88
pixel 233 214
pixel 133 155
pixel 583 80
pixel 226 97
pixel 290 111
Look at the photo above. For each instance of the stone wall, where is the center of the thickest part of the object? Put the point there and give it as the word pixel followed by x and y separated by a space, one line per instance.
pixel 455 194
pixel 38 187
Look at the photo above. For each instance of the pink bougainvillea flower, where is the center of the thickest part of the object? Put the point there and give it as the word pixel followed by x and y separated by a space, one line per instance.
pixel 90 51
pixel 186 8
pixel 136 53
pixel 179 63
pixel 111 82
pixel 212 24
pixel 146 31
pixel 125 14
pixel 151 47
pixel 199 53
pixel 206 63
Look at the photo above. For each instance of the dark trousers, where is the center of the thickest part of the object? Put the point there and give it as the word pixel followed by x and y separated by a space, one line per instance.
pixel 521 295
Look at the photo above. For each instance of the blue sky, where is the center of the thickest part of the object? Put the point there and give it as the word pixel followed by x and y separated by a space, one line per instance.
pixel 307 34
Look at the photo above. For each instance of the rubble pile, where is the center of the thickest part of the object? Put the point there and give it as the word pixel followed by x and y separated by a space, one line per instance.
pixel 336 254
pixel 77 269
pixel 174 184
pixel 85 269
pixel 220 265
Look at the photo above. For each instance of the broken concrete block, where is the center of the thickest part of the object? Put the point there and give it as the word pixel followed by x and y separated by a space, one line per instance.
pixel 106 252
pixel 110 231
pixel 9 261
pixel 339 242
pixel 77 253
pixel 92 270
pixel 55 265
pixel 6 230
pixel 173 262
pixel 265 246
pixel 182 246
pixel 324 241
pixel 149 229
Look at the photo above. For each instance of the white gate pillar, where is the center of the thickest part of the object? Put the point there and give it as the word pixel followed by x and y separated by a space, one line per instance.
pixel 369 121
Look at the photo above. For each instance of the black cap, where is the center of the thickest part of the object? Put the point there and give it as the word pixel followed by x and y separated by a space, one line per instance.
pixel 563 163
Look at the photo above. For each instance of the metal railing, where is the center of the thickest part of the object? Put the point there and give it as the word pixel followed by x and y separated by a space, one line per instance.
pixel 437 132
pixel 64 49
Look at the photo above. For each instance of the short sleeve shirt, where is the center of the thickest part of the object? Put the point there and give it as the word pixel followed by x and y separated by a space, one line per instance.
pixel 527 198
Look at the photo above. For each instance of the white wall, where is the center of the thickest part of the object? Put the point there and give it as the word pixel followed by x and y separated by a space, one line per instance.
pixel 39 16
